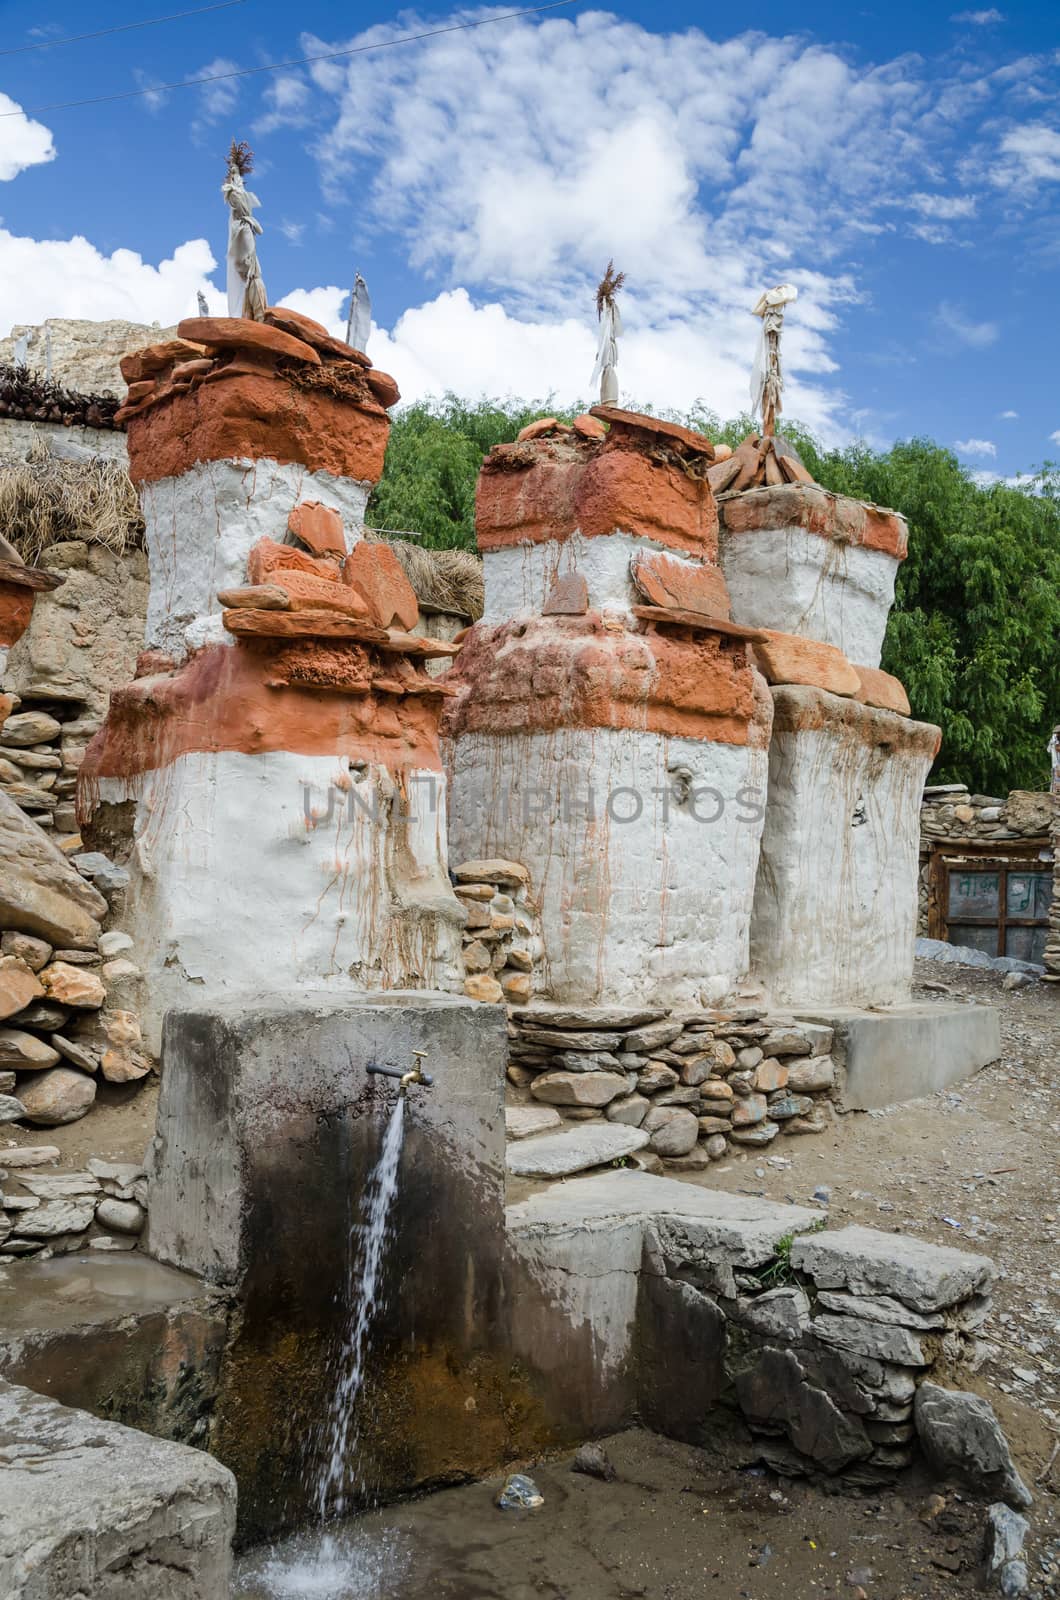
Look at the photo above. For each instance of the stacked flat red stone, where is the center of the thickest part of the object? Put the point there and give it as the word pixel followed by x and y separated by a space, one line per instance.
pixel 227 387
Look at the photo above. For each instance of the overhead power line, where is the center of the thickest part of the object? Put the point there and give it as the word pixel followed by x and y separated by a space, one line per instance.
pixel 122 27
pixel 280 66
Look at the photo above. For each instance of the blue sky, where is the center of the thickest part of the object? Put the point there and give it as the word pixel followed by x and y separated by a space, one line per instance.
pixel 899 164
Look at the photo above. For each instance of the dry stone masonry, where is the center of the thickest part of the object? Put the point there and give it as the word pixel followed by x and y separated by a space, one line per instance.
pixel 989 871
pixel 678 1089
pixel 501 938
pixel 45 1213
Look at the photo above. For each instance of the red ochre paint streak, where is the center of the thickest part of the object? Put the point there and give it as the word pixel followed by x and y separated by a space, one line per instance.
pixel 573 672
pixel 221 700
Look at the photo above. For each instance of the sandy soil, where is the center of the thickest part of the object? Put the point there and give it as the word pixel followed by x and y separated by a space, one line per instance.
pixel 675 1524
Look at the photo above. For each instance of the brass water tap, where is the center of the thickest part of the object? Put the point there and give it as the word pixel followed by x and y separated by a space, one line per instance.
pixel 416 1073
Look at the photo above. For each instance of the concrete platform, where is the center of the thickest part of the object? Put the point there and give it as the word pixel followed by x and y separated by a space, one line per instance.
pixel 903 1052
pixel 119 1335
pixel 94 1510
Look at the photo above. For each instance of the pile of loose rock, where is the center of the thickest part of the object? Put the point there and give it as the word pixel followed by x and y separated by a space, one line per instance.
pixel 696 1081
pixel 501 942
pixel 39 758
pixel 66 986
pixel 43 1213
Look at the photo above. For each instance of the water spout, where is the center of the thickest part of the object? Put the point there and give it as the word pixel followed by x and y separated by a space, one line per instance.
pixel 407 1077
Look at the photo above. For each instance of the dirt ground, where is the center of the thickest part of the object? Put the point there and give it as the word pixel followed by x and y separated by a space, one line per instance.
pixel 676 1523
pixel 118 1128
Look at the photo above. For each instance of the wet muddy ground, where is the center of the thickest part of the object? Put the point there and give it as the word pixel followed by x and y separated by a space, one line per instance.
pixel 676 1523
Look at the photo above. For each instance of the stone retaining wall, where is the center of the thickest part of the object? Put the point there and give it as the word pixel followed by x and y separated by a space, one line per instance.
pixel 949 814
pixel 826 1345
pixel 690 1082
pixel 44 1213
pixel 828 1351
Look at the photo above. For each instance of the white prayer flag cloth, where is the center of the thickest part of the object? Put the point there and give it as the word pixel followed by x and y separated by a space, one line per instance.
pixel 607 353
pixel 246 291
pixel 767 379
pixel 360 321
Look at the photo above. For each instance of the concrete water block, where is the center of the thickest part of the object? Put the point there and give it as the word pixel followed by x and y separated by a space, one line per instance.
pixel 118 1335
pixel 268 1128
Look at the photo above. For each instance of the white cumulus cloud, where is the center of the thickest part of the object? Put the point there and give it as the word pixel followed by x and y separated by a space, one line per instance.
pixel 42 278
pixel 23 142
pixel 1029 155
pixel 976 447
pixel 979 19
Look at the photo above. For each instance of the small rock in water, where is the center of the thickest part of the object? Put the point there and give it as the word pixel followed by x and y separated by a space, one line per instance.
pixel 593 1460
pixel 519 1493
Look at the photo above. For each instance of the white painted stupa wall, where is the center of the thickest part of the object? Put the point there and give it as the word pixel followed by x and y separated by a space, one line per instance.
pixel 233 891
pixel 201 526
pixel 835 903
pixel 518 578
pixel 655 909
pixel 798 582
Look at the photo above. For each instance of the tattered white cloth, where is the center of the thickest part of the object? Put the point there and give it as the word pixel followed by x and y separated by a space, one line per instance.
pixel 607 353
pixel 767 379
pixel 359 325
pixel 246 290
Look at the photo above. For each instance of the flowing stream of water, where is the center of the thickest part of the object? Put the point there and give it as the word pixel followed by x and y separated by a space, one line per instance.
pixel 342 1564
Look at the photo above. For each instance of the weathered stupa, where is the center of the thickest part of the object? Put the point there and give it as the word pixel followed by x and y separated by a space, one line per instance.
pixel 689 743
pixel 281 723
pixel 611 736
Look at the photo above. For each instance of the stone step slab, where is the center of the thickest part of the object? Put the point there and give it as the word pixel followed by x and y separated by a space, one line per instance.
pixel 523 1122
pixel 602 1017
pixel 576 1150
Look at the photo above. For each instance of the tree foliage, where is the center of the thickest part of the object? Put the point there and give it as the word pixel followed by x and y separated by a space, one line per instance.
pixel 975 631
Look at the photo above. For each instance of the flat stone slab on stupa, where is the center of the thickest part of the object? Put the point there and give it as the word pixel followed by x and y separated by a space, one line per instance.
pixel 559 1155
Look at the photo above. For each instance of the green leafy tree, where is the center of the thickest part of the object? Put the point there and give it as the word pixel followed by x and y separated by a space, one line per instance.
pixel 975 631
pixel 432 464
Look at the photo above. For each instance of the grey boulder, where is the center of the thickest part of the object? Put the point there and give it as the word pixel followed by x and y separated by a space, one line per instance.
pixel 40 892
pixel 961 1436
